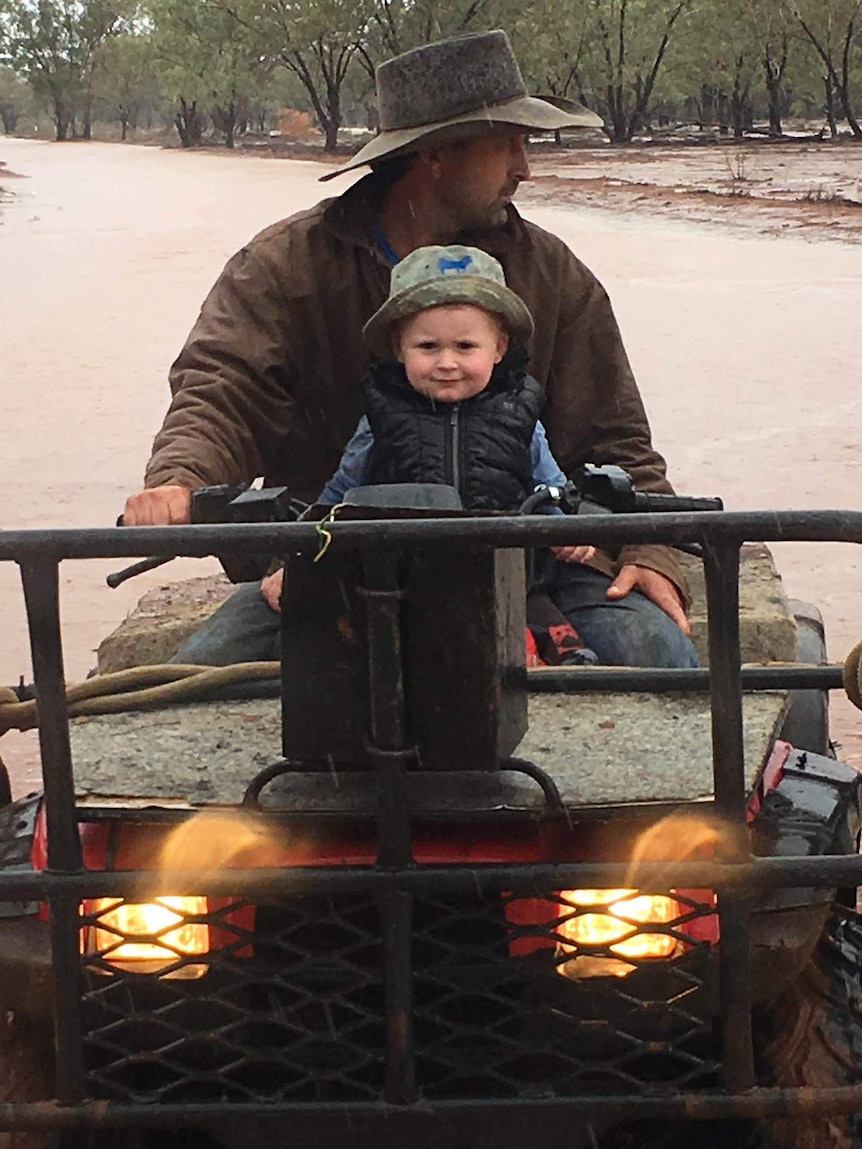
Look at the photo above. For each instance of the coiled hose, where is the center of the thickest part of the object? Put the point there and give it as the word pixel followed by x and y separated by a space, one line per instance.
pixel 853 675
pixel 149 687
pixel 138 688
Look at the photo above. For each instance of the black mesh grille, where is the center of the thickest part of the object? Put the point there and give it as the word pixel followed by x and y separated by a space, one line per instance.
pixel 289 1003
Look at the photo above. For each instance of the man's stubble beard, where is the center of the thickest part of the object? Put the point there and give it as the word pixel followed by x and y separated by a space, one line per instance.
pixel 481 217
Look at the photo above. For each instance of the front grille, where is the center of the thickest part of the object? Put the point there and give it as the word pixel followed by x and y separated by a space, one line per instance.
pixel 290 1004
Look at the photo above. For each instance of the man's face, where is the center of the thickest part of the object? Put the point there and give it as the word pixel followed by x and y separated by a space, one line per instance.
pixel 449 352
pixel 477 178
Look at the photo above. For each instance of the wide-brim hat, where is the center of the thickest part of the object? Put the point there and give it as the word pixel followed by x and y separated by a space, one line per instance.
pixel 435 276
pixel 452 87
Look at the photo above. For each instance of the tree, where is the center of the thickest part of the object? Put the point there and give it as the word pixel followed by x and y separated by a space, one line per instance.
pixel 630 40
pixel 318 41
pixel 551 42
pixel 396 26
pixel 831 27
pixel 54 44
pixel 126 81
pixel 15 99
pixel 209 61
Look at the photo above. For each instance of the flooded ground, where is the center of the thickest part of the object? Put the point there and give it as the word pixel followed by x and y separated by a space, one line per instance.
pixel 742 331
pixel 803 189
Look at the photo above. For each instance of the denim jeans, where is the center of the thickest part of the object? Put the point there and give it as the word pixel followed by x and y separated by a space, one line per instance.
pixel 631 631
pixel 243 629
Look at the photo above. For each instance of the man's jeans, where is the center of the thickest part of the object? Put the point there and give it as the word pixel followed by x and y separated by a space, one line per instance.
pixel 631 631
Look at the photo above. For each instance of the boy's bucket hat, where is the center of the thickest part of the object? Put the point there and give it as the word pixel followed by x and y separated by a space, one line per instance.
pixel 431 276
pixel 451 87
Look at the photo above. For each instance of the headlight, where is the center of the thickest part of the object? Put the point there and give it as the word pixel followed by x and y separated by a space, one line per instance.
pixel 147 937
pixel 613 922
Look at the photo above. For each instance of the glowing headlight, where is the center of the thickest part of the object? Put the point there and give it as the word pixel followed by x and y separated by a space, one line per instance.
pixel 617 926
pixel 147 937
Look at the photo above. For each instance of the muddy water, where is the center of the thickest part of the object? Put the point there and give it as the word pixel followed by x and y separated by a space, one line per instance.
pixel 745 348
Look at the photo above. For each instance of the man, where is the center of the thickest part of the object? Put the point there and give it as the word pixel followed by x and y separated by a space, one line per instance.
pixel 267 383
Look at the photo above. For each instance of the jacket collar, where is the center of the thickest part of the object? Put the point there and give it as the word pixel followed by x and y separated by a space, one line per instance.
pixel 355 214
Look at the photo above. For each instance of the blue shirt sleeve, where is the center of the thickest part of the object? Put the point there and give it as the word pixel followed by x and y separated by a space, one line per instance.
pixel 546 469
pixel 352 468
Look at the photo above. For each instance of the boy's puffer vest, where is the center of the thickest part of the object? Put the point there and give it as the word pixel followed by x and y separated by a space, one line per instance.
pixel 481 445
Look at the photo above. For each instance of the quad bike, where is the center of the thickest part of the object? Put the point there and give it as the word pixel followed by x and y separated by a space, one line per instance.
pixel 461 903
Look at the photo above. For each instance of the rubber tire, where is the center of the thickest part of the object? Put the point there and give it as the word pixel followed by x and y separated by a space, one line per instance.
pixel 806 725
pixel 813 1038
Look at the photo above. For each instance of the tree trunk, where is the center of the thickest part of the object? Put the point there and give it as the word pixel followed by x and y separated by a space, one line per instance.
pixel 830 108
pixel 331 135
pixel 9 114
pixel 188 124
pixel 773 88
pixel 740 108
pixel 840 84
pixel 847 108
pixel 225 120
pixel 87 121
pixel 61 119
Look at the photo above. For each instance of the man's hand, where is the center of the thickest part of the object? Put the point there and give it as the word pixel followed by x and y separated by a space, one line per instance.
pixel 655 586
pixel 158 507
pixel 574 554
pixel 270 588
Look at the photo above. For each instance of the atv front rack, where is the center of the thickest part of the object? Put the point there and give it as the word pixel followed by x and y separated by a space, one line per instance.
pixel 396 885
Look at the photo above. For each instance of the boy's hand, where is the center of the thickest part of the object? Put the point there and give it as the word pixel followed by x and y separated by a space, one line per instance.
pixel 270 588
pixel 574 554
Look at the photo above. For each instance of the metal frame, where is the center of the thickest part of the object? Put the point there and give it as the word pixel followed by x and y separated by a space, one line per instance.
pixel 394 879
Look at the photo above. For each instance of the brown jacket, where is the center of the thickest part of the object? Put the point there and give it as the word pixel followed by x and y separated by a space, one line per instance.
pixel 267 383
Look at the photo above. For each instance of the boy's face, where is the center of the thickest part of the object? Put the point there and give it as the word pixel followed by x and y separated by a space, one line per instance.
pixel 449 352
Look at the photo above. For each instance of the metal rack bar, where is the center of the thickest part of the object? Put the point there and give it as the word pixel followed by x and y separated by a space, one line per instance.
pixel 522 878
pixel 40 578
pixel 478 532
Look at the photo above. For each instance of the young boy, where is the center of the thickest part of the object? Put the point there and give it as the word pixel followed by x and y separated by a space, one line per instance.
pixel 448 400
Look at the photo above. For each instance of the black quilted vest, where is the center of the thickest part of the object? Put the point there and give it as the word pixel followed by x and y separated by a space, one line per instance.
pixel 480 446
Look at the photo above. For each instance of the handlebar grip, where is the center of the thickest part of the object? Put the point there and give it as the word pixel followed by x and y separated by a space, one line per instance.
pixel 116 578
pixel 678 503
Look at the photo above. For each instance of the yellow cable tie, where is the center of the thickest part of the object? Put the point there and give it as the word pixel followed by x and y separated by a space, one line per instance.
pixel 325 535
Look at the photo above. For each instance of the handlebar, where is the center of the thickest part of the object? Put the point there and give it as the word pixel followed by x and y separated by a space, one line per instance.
pixel 591 489
pixel 226 503
pixel 594 489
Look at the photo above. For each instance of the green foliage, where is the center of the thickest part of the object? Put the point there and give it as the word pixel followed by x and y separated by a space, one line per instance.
pixel 54 44
pixel 225 62
pixel 831 29
pixel 209 59
pixel 126 84
pixel 317 41
pixel 553 41
pixel 610 54
pixel 16 99
pixel 397 25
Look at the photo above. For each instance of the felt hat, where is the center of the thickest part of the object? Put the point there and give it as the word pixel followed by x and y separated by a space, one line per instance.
pixel 452 87
pixel 431 276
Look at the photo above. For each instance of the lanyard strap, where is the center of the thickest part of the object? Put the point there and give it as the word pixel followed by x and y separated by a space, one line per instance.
pixel 385 247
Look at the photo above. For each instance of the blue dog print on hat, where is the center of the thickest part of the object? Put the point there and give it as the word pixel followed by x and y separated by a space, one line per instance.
pixel 459 265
